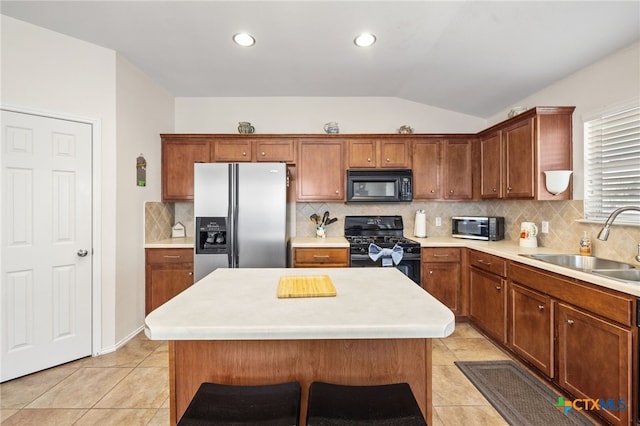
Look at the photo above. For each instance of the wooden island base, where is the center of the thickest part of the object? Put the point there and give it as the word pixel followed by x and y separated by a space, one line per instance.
pixel 255 362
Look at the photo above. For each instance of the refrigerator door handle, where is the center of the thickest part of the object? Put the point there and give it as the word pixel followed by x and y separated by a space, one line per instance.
pixel 233 193
pixel 230 222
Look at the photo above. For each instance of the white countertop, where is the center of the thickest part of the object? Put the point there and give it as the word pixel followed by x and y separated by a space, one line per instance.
pixel 187 242
pixel 241 304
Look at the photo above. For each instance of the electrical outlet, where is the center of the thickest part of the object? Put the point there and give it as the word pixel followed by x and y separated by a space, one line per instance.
pixel 438 221
pixel 545 227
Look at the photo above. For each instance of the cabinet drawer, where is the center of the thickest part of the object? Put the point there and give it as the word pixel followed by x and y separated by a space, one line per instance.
pixel 488 262
pixel 321 256
pixel 440 254
pixel 180 255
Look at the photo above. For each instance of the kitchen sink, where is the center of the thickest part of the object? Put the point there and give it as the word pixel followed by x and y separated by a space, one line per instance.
pixel 628 275
pixel 583 263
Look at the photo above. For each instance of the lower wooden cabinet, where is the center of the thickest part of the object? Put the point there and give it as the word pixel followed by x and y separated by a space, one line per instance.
pixel 441 275
pixel 335 257
pixel 577 334
pixel 488 294
pixel 168 272
pixel 595 361
pixel 531 327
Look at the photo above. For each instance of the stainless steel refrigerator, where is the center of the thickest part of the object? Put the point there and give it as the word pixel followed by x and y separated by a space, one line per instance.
pixel 240 216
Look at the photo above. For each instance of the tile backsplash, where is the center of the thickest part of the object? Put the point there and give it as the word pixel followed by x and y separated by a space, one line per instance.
pixel 160 217
pixel 565 227
pixel 565 230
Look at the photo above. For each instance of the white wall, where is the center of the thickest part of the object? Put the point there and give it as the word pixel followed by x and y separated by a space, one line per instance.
pixel 144 110
pixel 308 115
pixel 608 82
pixel 50 72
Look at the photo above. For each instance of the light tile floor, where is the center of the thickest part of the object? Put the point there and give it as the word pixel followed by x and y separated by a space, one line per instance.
pixel 130 387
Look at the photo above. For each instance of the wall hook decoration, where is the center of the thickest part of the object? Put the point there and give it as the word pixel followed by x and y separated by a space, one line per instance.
pixel 141 171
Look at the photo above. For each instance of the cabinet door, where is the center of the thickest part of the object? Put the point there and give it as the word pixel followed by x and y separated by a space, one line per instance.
pixel 236 150
pixel 427 183
pixel 321 171
pixel 362 153
pixel 594 360
pixel 457 182
pixel 531 327
pixel 167 282
pixel 395 154
pixel 491 166
pixel 442 281
pixel 178 157
pixel 275 151
pixel 487 303
pixel 519 159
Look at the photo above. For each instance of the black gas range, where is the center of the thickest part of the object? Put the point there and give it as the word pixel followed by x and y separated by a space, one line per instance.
pixel 384 232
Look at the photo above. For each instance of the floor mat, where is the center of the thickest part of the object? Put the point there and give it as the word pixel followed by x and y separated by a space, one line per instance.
pixel 518 396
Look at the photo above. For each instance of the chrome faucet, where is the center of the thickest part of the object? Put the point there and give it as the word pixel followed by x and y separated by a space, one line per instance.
pixel 604 232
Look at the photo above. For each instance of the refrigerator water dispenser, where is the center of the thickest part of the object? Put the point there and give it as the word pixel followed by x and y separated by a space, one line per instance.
pixel 211 235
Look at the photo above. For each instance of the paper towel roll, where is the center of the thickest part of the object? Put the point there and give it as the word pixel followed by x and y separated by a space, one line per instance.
pixel 420 226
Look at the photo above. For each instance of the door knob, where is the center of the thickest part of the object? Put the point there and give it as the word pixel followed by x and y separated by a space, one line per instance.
pixel 82 253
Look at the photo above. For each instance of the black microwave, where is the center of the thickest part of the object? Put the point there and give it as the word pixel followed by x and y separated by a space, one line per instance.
pixel 487 228
pixel 379 186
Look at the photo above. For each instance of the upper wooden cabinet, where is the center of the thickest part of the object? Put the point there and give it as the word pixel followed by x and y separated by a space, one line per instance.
pixel 276 151
pixel 515 154
pixel 178 156
pixel 243 149
pixel 379 153
pixel 321 172
pixel 233 150
pixel 442 169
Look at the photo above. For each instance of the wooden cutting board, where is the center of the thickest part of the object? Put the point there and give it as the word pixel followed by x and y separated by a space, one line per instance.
pixel 306 286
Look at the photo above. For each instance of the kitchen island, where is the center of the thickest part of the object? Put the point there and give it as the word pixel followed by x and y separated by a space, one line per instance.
pixel 230 327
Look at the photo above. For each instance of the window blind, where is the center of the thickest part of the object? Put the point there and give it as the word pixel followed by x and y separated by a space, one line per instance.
pixel 612 163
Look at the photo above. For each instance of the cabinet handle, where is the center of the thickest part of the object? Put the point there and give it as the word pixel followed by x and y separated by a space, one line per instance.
pixel 570 322
pixel 484 262
pixel 263 154
pixel 440 255
pixel 368 160
pixel 166 256
pixel 451 191
pixel 433 191
pixel 320 256
pixel 430 272
pixel 388 160
pixel 498 287
pixel 337 191
pixel 495 190
pixel 540 308
pixel 509 188
pixel 190 273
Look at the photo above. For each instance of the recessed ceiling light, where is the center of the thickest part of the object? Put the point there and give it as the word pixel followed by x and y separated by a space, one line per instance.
pixel 244 39
pixel 365 40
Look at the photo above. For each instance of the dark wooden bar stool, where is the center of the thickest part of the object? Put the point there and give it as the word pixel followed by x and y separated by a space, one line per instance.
pixel 218 404
pixel 388 405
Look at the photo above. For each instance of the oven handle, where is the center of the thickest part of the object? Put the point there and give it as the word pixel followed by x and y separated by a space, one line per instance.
pixel 366 257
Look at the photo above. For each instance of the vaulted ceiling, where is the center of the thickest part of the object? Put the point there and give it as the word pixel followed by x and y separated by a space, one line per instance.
pixel 473 57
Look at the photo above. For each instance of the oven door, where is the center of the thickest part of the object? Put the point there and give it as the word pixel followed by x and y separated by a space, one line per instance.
pixel 409 265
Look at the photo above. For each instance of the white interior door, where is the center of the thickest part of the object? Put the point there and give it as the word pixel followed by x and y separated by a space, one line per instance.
pixel 46 243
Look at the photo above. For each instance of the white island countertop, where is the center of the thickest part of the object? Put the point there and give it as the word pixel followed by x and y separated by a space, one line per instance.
pixel 241 304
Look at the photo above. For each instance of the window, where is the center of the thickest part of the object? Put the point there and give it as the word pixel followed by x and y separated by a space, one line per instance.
pixel 612 162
